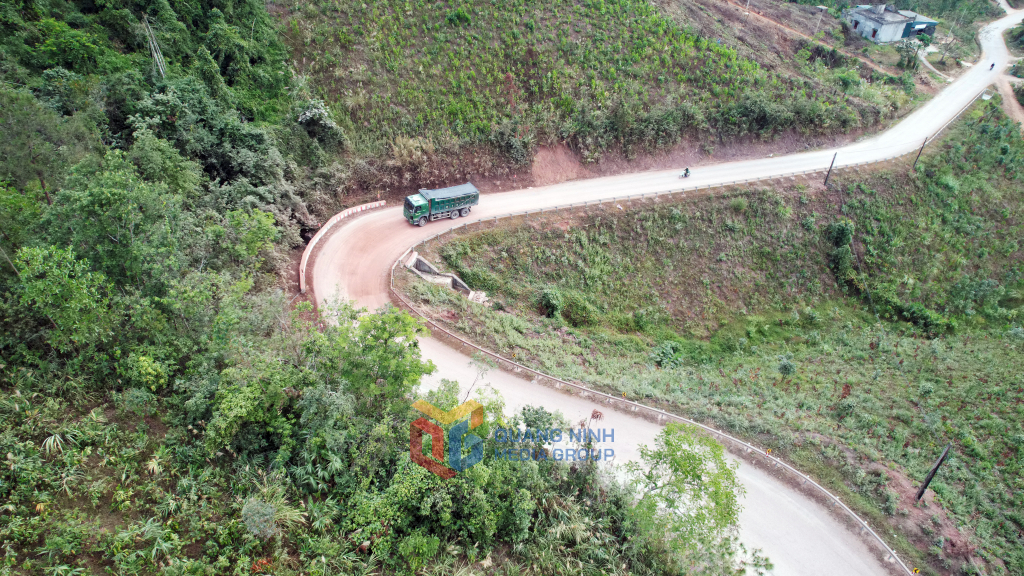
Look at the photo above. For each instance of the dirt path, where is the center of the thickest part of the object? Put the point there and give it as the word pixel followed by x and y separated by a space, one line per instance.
pixel 1011 105
pixel 924 60
pixel 1004 84
pixel 355 263
pixel 799 34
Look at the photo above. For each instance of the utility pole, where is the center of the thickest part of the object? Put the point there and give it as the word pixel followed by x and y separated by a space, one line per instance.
pixel 821 12
pixel 154 48
pixel 931 474
pixel 914 168
pixel 830 167
pixel 952 39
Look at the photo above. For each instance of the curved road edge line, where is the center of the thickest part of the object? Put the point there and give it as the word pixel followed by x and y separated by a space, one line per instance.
pixel 323 231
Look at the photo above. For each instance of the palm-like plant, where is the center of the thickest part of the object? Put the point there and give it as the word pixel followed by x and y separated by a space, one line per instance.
pixel 53 443
pixel 64 570
pixel 69 478
pixel 155 466
pixel 322 514
pixel 269 513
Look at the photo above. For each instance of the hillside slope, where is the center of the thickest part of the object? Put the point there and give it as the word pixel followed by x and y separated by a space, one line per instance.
pixel 429 92
pixel 855 329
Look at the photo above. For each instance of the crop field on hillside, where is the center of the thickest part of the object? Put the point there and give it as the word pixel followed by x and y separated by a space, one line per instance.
pixel 167 407
pixel 854 330
pixel 598 74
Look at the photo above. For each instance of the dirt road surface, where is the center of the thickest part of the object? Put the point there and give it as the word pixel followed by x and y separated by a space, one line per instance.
pixel 797 534
pixel 1011 106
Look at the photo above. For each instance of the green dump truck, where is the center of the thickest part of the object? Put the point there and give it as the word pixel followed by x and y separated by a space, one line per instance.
pixel 441 203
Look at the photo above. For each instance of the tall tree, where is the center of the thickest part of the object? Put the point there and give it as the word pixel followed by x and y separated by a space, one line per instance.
pixel 38 145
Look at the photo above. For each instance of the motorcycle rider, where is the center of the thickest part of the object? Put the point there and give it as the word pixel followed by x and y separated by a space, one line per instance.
pixel 686 173
pixel 993 66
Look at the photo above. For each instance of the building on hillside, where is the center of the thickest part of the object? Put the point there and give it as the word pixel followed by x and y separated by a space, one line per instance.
pixel 883 23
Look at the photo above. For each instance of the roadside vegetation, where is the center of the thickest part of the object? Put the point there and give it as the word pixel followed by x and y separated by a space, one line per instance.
pixel 428 91
pixel 1015 41
pixel 166 408
pixel 855 330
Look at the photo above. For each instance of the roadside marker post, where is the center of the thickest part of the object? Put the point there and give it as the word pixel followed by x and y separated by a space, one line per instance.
pixel 829 173
pixel 919 152
pixel 931 474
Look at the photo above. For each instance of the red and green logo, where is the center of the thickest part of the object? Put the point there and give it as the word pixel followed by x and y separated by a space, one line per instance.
pixel 459 438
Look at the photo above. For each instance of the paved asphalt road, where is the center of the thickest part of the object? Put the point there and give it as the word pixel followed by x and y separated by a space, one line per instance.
pixel 798 535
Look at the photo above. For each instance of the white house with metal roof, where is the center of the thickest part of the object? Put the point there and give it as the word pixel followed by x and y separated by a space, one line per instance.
pixel 883 23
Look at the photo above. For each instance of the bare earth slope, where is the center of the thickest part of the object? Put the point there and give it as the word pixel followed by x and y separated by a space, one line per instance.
pixel 797 534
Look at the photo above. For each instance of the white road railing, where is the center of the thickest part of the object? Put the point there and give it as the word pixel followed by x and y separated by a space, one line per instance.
pixel 323 232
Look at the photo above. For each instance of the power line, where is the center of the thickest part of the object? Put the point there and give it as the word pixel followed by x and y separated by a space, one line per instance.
pixel 154 49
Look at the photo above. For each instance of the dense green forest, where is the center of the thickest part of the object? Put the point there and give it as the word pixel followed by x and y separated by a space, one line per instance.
pixel 854 330
pixel 165 407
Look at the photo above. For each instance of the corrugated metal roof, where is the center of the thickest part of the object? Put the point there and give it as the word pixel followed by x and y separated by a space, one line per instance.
pixel 883 18
pixel 917 17
pixel 450 192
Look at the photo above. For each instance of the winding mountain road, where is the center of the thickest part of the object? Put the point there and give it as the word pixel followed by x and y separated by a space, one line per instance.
pixel 800 536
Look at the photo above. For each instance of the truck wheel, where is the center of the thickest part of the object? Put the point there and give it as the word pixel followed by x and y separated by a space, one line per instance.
pixel 465 212
pixel 421 222
pixel 455 214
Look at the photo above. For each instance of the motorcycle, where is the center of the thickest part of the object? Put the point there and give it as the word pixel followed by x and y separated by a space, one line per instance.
pixel 685 174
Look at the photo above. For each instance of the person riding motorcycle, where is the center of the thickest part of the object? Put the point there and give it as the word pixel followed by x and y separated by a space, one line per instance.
pixel 686 173
pixel 993 66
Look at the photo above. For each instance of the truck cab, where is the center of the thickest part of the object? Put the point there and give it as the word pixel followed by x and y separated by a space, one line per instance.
pixel 416 207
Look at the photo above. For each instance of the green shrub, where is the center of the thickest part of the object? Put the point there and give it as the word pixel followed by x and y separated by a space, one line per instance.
pixel 67 47
pixel 888 302
pixel 258 517
pixel 316 119
pixel 138 401
pixel 480 278
pixel 458 17
pixel 417 549
pixel 550 302
pixel 840 260
pixel 932 322
pixel 667 354
pixel 786 366
pixel 839 233
pixel 738 204
pixel 578 311
pixel 647 318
